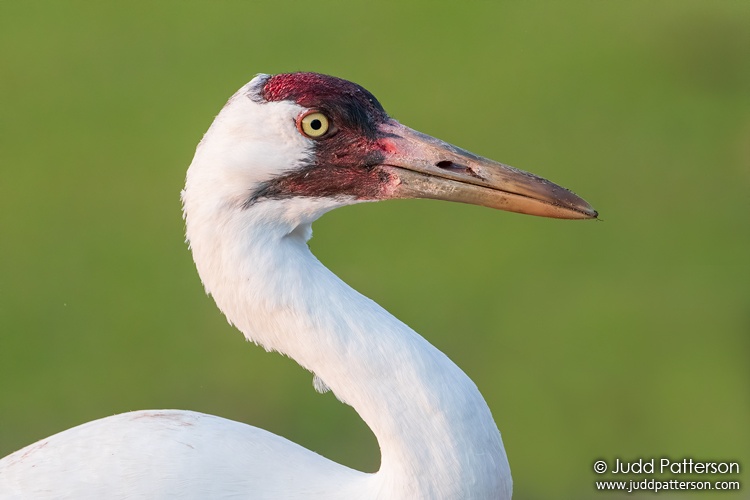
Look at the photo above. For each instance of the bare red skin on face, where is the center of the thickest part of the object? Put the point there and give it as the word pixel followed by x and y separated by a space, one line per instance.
pixel 351 103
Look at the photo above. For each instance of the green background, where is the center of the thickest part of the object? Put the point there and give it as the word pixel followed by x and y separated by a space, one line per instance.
pixel 625 338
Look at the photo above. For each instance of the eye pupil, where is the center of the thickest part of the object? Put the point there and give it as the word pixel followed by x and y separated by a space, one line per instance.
pixel 316 124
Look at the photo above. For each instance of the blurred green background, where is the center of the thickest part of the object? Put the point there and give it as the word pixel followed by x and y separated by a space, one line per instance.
pixel 624 338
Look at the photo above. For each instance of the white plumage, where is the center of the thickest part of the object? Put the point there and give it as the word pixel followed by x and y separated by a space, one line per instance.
pixel 248 213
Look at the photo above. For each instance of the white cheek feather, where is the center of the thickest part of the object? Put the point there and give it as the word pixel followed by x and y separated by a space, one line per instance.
pixel 247 144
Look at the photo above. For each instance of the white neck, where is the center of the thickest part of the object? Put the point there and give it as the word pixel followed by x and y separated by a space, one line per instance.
pixel 435 431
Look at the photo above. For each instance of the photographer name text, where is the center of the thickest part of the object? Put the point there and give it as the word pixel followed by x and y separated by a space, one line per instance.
pixel 666 466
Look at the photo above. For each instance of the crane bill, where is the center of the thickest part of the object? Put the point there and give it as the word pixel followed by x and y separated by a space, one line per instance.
pixel 427 167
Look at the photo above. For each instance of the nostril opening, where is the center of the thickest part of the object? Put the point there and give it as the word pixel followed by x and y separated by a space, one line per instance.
pixel 456 167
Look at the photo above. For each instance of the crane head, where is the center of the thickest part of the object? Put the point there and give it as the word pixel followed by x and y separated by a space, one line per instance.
pixel 316 137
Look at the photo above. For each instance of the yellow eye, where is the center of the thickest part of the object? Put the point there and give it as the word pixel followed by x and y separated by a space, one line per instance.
pixel 313 124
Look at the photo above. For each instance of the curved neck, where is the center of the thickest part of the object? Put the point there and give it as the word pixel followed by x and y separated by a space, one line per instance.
pixel 435 431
